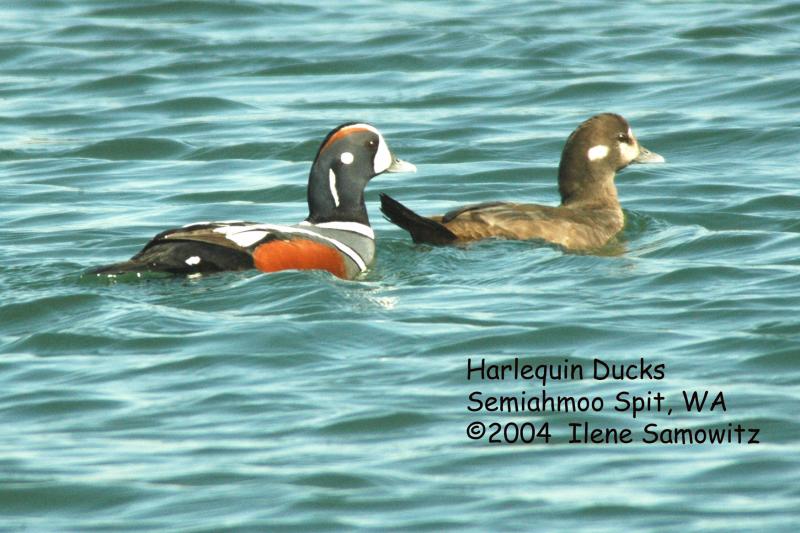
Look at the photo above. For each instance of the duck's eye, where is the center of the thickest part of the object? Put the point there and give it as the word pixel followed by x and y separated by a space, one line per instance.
pixel 371 143
pixel 623 138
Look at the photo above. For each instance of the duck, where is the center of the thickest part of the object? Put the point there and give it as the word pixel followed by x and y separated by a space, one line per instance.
pixel 335 237
pixel 588 217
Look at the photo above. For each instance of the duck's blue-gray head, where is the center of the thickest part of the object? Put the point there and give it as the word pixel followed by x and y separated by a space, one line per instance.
pixel 350 156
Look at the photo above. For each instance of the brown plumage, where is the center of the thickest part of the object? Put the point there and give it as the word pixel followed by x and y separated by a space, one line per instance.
pixel 589 214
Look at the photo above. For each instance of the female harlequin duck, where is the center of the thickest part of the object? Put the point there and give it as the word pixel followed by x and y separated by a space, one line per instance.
pixel 335 237
pixel 589 214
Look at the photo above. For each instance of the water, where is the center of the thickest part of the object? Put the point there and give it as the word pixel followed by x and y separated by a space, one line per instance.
pixel 296 401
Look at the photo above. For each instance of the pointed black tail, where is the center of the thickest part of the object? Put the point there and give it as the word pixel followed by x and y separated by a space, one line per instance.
pixel 116 269
pixel 422 230
pixel 181 258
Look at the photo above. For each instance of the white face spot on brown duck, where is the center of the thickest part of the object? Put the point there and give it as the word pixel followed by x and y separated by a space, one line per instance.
pixel 628 147
pixel 633 152
pixel 597 152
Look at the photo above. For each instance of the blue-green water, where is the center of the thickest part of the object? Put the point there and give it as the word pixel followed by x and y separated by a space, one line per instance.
pixel 296 401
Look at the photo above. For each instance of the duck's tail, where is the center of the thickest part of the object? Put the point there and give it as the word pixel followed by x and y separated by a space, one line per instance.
pixel 422 230
pixel 115 269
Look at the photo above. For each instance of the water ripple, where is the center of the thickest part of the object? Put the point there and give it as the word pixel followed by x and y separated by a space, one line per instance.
pixel 300 401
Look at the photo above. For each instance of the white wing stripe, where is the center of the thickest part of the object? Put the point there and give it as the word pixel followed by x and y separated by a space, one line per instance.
pixel 247 238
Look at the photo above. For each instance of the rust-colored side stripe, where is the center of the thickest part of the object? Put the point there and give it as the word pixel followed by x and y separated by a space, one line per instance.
pixel 299 254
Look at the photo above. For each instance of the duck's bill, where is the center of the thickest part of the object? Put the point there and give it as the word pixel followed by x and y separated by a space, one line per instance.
pixel 646 156
pixel 398 165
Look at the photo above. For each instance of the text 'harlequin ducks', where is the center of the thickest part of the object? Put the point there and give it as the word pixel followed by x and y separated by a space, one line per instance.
pixel 335 237
pixel 589 214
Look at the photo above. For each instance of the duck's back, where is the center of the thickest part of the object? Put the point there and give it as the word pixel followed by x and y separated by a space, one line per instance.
pixel 572 228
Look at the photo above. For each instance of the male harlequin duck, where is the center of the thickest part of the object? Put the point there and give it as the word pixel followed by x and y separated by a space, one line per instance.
pixel 589 214
pixel 335 237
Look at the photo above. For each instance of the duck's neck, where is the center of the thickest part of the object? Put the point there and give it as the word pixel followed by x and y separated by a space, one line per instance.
pixel 333 198
pixel 581 185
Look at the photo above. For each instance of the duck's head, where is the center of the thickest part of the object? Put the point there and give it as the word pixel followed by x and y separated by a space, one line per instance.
pixel 593 154
pixel 350 156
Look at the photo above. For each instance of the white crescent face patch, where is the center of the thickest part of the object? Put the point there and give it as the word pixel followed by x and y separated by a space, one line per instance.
pixel 383 157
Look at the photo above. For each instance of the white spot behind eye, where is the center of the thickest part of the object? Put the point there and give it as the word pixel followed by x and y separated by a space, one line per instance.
pixel 332 183
pixel 597 152
pixel 193 260
pixel 346 158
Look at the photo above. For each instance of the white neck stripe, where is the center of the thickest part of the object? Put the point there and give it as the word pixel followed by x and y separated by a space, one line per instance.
pixel 354 227
pixel 332 184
